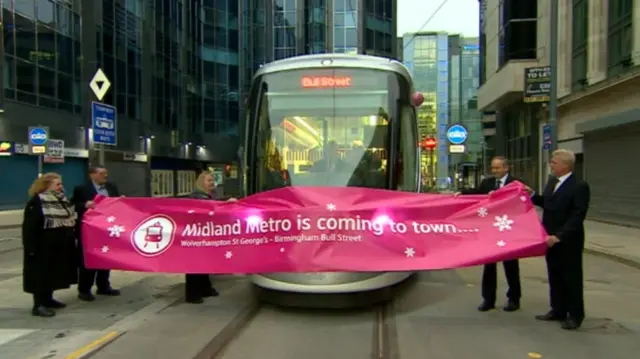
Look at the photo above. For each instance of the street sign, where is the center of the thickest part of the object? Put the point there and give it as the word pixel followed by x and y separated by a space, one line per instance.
pixel 537 84
pixel 546 137
pixel 104 124
pixel 99 84
pixel 38 138
pixel 457 135
pixel 55 152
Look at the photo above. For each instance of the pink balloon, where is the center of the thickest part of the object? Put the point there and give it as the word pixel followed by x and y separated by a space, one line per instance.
pixel 417 99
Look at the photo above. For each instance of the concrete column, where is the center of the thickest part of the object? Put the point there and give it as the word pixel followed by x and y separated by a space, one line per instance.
pixel 564 48
pixel 635 53
pixel 597 41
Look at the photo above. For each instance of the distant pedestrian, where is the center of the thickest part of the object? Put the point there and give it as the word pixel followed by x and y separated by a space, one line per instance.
pixel 198 286
pixel 565 202
pixel 82 199
pixel 48 239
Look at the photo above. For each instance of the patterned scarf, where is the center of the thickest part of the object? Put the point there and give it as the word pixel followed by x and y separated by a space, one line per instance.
pixel 57 210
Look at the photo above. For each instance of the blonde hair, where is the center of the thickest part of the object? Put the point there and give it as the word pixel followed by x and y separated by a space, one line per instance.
pixel 200 180
pixel 43 183
pixel 566 156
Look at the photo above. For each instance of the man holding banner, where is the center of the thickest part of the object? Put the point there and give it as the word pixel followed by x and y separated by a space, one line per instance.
pixel 501 177
pixel 565 201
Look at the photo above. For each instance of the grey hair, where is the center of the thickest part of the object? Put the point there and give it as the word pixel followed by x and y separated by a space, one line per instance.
pixel 566 156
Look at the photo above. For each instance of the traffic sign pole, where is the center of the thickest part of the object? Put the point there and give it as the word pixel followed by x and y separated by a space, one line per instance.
pixel 38 137
pixel 100 85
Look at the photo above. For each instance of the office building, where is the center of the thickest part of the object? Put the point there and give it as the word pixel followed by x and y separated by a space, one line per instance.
pixel 174 82
pixel 445 70
pixel 278 29
pixel 598 113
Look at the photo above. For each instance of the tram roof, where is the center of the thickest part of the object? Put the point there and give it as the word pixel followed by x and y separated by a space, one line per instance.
pixel 337 60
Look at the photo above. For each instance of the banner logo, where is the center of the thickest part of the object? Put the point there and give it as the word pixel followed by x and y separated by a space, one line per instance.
pixel 154 235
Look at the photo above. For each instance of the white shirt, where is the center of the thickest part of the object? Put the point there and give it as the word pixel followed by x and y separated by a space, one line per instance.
pixel 500 182
pixel 561 180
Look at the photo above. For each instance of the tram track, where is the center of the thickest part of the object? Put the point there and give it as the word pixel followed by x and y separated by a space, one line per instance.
pixel 383 343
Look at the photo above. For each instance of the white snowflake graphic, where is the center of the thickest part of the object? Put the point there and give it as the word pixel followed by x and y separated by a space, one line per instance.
pixel 115 230
pixel 281 250
pixel 501 243
pixel 211 213
pixel 523 198
pixel 409 252
pixel 482 212
pixel 111 219
pixel 228 255
pixel 104 249
pixel 331 207
pixel 190 211
pixel 503 223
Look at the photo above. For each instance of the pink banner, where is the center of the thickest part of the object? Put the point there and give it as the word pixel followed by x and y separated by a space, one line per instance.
pixel 312 230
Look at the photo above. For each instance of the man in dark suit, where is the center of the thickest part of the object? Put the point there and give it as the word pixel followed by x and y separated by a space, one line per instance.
pixel 565 202
pixel 82 199
pixel 501 177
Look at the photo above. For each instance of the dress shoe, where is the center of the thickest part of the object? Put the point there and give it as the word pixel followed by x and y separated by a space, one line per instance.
pixel 108 292
pixel 211 293
pixel 511 306
pixel 87 297
pixel 486 306
pixel 54 304
pixel 571 324
pixel 195 300
pixel 42 311
pixel 551 317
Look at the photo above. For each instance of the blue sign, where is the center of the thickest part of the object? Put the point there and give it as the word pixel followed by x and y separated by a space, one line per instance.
pixel 546 137
pixel 457 134
pixel 38 136
pixel 103 123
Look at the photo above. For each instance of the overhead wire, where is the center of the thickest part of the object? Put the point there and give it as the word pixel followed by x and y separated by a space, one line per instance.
pixel 431 17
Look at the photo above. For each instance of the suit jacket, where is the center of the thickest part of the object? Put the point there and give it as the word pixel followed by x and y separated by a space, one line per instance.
pixel 565 210
pixel 489 184
pixel 87 192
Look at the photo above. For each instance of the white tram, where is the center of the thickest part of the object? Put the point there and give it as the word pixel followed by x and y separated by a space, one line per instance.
pixel 305 111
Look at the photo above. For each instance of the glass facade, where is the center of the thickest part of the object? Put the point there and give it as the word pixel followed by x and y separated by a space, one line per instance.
pixel 345 31
pixel 420 55
pixel 220 66
pixel 445 69
pixel 379 32
pixel 42 57
pixel 315 26
pixel 284 29
pixel 119 56
pixel 469 81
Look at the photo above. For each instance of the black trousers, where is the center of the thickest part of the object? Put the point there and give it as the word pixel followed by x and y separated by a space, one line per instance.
pixel 566 287
pixel 88 277
pixel 197 286
pixel 490 281
pixel 42 298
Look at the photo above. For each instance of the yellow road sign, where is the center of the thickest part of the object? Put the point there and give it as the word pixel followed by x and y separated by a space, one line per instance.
pixel 100 84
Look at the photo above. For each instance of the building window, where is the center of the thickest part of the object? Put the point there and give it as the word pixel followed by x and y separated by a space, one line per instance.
pixel 517 30
pixel 579 43
pixel 620 36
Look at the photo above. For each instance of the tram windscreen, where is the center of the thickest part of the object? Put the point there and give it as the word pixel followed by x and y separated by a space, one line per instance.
pixel 318 127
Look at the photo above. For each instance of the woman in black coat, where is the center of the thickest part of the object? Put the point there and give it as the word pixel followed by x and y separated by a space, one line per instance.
pixel 48 239
pixel 198 286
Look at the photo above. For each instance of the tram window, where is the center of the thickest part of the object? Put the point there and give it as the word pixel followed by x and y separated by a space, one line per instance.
pixel 324 136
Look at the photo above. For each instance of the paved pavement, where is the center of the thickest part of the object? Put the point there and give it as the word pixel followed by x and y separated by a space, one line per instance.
pixel 434 318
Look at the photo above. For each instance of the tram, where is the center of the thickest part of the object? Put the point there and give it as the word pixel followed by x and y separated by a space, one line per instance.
pixel 331 120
